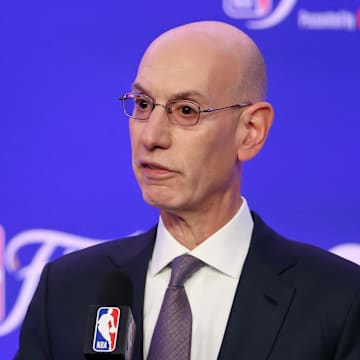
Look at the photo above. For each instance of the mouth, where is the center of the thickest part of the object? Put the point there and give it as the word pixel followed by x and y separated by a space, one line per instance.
pixel 152 169
pixel 153 166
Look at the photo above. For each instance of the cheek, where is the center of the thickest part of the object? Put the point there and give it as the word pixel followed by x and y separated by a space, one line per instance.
pixel 134 140
pixel 202 164
pixel 218 158
pixel 132 133
pixel 134 157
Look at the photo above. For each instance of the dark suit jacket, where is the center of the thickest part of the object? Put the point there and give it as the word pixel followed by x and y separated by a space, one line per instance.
pixel 293 301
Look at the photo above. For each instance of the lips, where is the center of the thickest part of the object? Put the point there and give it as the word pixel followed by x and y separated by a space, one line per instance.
pixel 152 169
pixel 152 165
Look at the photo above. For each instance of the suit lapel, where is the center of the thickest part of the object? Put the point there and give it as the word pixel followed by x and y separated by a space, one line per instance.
pixel 136 267
pixel 262 298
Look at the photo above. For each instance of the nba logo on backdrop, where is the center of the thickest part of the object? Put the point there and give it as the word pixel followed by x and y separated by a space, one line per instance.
pixel 261 14
pixel 106 329
pixel 246 9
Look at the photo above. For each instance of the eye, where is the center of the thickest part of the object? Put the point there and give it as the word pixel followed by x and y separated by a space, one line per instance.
pixel 185 109
pixel 141 103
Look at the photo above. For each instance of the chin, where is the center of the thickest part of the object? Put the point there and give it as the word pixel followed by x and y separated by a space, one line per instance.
pixel 162 201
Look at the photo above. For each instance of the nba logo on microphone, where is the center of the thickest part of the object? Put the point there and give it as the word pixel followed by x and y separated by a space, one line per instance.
pixel 106 329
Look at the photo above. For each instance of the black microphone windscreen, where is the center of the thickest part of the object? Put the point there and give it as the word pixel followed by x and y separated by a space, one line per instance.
pixel 116 289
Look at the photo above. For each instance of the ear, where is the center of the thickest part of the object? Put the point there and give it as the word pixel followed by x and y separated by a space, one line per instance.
pixel 254 126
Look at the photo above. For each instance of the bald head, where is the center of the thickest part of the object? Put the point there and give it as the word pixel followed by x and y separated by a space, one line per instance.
pixel 234 61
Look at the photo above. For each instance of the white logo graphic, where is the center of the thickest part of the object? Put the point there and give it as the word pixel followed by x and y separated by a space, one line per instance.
pixel 49 241
pixel 261 12
pixel 350 251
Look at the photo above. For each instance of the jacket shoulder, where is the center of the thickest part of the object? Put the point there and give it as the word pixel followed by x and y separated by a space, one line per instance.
pixel 319 265
pixel 121 249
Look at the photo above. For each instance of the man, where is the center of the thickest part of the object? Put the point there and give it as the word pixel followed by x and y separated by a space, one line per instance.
pixel 197 112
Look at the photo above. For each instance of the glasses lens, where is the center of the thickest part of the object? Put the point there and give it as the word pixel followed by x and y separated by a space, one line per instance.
pixel 137 106
pixel 185 113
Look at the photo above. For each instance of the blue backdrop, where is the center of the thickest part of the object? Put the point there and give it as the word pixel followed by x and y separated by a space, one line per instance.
pixel 65 175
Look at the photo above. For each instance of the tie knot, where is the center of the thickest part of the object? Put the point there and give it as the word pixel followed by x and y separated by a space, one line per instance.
pixel 182 268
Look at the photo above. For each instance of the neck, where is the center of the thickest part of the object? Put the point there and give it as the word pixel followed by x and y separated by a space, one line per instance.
pixel 191 229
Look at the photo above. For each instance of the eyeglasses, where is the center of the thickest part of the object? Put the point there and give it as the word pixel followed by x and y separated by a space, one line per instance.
pixel 180 112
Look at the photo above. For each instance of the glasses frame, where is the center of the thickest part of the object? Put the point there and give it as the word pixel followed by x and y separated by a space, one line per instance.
pixel 130 95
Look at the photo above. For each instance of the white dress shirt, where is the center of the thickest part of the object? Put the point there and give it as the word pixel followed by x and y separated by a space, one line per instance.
pixel 210 291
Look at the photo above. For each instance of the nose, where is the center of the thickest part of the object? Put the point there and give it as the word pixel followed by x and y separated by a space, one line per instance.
pixel 156 131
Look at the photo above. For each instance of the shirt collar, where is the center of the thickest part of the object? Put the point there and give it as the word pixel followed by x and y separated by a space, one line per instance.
pixel 225 250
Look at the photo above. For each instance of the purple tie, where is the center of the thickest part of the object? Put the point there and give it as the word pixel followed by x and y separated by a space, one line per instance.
pixel 171 339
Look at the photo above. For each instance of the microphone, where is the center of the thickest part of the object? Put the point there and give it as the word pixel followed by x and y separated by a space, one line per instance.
pixel 110 332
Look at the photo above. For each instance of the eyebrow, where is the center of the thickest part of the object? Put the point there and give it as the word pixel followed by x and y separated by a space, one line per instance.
pixel 137 87
pixel 190 94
